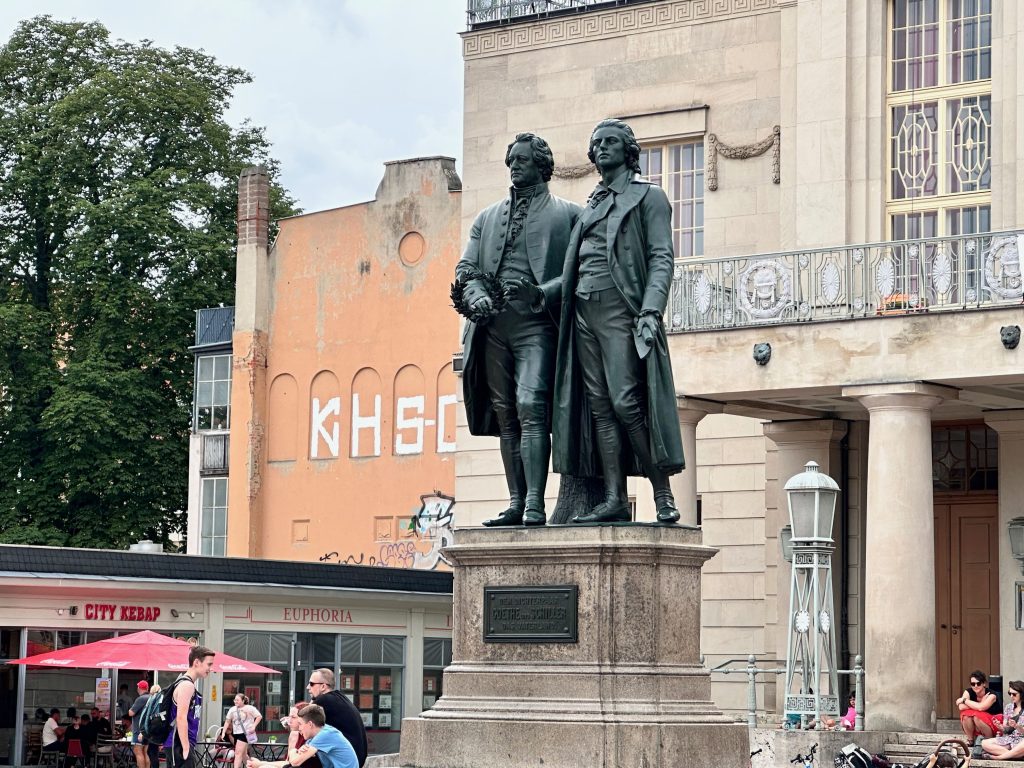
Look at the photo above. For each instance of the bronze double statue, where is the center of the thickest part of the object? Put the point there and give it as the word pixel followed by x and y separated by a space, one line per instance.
pixel 565 350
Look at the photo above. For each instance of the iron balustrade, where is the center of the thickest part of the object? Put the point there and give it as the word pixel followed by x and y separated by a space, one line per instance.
pixel 940 274
pixel 752 671
pixel 487 12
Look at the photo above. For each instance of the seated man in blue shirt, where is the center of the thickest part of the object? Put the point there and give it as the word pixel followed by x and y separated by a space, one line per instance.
pixel 322 740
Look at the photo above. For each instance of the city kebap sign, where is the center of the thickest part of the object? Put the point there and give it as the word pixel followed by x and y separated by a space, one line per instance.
pixel 530 614
pixel 111 612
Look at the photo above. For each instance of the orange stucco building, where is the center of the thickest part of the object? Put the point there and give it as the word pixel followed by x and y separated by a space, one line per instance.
pixel 337 388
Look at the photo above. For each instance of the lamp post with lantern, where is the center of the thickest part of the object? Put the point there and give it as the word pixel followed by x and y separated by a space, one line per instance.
pixel 811 644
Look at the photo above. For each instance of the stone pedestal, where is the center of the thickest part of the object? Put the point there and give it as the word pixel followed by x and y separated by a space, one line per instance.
pixel 631 690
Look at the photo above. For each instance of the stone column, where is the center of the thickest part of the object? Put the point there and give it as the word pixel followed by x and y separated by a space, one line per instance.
pixel 684 485
pixel 899 593
pixel 796 443
pixel 412 698
pixel 213 637
pixel 1010 426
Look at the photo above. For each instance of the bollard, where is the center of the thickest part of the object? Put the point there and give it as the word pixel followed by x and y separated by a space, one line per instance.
pixel 752 691
pixel 858 686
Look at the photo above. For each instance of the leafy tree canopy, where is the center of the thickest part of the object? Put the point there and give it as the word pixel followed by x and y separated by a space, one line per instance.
pixel 118 191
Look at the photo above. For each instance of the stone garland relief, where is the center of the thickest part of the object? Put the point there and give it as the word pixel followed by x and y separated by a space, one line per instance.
pixel 742 152
pixel 563 30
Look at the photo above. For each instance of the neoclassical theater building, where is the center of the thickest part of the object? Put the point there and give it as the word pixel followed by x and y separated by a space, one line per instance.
pixel 845 181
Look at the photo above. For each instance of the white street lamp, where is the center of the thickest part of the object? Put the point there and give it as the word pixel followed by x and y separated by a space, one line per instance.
pixel 786 542
pixel 811 643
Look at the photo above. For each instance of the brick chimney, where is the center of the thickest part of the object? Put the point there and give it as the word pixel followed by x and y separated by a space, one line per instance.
pixel 253 206
pixel 249 375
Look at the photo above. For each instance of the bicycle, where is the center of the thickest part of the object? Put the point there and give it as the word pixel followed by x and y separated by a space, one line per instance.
pixel 806 761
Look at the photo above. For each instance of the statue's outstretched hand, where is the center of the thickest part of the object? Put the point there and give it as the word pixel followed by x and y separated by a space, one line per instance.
pixel 523 290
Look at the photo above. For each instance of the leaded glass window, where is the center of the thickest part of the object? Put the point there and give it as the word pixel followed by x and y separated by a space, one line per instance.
pixel 965 458
pixel 940 117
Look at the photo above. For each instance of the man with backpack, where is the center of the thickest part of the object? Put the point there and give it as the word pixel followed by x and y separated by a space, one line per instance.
pixel 135 712
pixel 185 708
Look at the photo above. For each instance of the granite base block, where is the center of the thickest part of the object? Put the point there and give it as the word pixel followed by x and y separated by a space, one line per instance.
pixel 570 744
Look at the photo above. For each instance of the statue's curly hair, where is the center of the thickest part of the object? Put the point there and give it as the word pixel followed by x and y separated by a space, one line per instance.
pixel 542 157
pixel 632 147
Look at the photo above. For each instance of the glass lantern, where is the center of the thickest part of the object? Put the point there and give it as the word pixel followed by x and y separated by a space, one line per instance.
pixel 812 505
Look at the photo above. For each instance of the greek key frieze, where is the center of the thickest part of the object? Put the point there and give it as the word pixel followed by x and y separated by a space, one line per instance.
pixel 595 25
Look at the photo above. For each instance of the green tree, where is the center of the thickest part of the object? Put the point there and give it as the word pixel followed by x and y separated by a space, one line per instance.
pixel 118 190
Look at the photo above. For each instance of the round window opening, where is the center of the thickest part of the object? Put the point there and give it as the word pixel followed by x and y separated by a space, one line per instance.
pixel 411 249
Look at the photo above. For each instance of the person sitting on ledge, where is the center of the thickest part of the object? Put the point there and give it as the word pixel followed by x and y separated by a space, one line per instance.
pixel 1009 743
pixel 978 705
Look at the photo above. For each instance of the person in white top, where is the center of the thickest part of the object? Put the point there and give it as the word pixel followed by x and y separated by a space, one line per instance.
pixel 52 732
pixel 240 727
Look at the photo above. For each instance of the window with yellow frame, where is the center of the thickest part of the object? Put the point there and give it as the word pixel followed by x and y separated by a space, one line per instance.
pixel 678 168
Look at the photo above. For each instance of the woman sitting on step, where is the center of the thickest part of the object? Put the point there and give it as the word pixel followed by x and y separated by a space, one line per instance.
pixel 978 705
pixel 1009 744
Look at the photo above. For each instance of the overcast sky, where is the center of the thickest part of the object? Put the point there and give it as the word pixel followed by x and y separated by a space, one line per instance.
pixel 341 85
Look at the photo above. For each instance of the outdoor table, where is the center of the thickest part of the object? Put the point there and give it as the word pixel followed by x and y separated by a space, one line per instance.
pixel 120 755
pixel 214 754
pixel 269 750
pixel 207 753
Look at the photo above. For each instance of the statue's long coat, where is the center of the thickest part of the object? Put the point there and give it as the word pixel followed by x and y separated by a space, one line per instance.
pixel 641 262
pixel 548 224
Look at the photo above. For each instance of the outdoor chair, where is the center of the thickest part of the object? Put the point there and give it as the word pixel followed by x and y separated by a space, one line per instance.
pixel 74 752
pixel 52 757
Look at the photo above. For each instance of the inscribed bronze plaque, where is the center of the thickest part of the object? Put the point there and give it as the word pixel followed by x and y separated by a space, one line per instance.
pixel 530 614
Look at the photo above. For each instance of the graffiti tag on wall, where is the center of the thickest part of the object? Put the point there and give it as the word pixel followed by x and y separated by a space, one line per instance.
pixel 423 537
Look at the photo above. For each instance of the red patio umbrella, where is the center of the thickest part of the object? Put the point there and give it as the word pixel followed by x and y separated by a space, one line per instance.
pixel 139 650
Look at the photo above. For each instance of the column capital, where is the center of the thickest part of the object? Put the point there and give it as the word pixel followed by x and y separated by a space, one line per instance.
pixel 799 431
pixel 906 395
pixel 1008 423
pixel 692 409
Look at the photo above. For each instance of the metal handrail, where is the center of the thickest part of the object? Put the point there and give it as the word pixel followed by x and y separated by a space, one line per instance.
pixel 752 671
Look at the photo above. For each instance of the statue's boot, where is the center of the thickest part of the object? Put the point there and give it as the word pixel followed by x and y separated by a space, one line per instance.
pixel 606 513
pixel 615 507
pixel 516 479
pixel 536 452
pixel 665 504
pixel 664 501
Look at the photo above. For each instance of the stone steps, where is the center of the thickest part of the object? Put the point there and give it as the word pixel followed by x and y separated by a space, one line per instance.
pixel 910 748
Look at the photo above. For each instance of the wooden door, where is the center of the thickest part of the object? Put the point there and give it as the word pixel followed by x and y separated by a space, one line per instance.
pixel 966 593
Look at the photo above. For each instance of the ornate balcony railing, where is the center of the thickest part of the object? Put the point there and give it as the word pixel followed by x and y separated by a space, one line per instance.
pixel 487 12
pixel 860 281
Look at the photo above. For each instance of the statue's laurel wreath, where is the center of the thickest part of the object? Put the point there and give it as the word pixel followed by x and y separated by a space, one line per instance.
pixel 494 287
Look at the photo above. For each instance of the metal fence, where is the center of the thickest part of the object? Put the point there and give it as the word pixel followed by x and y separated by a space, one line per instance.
pixel 753 671
pixel 848 282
